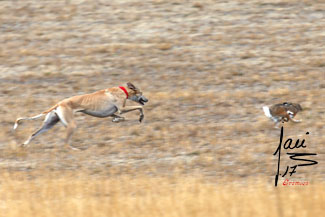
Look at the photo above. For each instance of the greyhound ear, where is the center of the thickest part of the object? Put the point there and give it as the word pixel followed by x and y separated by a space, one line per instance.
pixel 131 86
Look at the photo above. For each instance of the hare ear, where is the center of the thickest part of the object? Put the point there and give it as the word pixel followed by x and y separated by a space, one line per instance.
pixel 299 107
pixel 131 86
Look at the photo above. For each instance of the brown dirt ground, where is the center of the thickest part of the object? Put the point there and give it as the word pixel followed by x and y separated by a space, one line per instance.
pixel 207 67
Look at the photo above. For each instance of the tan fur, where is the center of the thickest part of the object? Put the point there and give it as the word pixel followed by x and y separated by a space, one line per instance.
pixel 104 103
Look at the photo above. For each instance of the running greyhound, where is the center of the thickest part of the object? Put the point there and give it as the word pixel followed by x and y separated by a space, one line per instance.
pixel 104 103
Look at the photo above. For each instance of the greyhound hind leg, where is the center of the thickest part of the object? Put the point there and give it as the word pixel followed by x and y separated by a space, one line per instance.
pixel 66 117
pixel 117 118
pixel 50 120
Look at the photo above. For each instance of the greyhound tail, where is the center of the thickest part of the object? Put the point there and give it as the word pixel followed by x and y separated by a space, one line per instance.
pixel 50 109
pixel 34 117
pixel 31 118
pixel 267 111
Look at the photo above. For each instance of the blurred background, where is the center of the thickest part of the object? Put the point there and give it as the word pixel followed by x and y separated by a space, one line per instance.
pixel 207 68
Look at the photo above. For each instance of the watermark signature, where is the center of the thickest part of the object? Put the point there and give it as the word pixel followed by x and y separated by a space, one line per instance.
pixel 288 182
pixel 290 145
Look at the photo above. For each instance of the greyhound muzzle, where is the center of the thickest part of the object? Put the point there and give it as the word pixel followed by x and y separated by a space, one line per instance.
pixel 143 100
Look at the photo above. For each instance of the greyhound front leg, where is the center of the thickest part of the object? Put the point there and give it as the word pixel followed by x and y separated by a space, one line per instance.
pixel 133 108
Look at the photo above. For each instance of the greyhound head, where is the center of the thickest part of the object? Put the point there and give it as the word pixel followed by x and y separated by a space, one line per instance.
pixel 135 94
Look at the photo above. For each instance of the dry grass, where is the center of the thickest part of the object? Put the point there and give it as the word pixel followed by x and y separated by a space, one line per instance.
pixel 75 194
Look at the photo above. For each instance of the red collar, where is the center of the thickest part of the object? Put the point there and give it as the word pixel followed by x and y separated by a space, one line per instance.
pixel 125 91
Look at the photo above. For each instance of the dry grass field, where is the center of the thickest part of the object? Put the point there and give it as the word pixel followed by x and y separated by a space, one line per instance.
pixel 205 147
pixel 78 195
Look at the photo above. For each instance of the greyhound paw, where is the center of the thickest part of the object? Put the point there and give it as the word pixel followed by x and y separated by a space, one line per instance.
pixel 141 118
